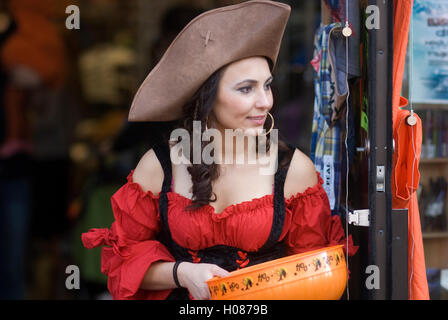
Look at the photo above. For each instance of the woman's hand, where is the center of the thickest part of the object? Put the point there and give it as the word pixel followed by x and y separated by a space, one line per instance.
pixel 193 276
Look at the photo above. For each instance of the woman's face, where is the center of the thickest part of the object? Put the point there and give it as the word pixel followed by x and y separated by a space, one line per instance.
pixel 244 96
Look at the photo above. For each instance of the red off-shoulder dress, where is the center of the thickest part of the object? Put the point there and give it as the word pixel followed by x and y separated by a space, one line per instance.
pixel 130 245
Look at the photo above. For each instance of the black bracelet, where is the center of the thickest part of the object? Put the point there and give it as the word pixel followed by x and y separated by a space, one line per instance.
pixel 176 281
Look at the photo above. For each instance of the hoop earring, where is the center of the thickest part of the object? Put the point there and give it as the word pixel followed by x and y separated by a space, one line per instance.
pixel 206 121
pixel 272 125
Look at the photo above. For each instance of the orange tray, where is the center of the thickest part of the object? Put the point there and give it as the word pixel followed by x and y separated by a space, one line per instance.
pixel 315 275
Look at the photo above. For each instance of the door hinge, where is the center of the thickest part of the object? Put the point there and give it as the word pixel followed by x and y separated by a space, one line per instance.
pixel 359 217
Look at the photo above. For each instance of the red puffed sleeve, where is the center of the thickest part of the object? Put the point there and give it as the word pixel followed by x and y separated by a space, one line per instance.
pixel 309 224
pixel 129 245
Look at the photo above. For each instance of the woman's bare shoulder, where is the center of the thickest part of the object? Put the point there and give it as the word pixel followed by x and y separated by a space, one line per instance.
pixel 149 173
pixel 301 174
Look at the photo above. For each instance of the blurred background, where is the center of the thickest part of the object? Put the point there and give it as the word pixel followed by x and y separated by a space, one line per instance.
pixel 65 143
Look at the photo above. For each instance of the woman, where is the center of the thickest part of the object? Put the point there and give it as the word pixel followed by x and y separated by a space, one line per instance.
pixel 179 222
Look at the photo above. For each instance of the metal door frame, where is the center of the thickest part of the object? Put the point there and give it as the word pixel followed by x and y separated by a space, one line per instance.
pixel 388 228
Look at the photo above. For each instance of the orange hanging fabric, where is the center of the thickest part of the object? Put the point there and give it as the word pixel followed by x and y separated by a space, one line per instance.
pixel 405 162
pixel 408 141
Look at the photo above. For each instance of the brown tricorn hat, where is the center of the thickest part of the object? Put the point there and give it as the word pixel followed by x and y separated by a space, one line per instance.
pixel 209 42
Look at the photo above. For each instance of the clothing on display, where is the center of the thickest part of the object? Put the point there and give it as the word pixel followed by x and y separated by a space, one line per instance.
pixel 331 89
pixel 418 284
pixel 406 158
pixel 338 8
pixel 326 136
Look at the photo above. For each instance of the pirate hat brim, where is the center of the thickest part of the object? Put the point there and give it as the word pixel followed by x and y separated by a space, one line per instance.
pixel 210 41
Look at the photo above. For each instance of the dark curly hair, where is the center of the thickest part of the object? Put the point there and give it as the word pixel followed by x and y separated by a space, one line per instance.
pixel 198 108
